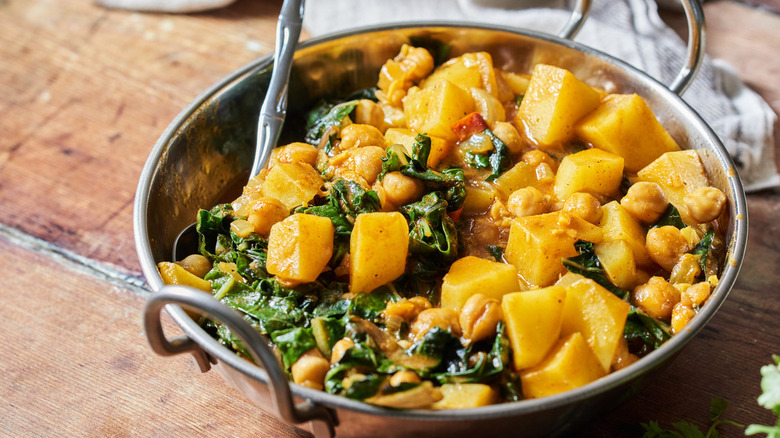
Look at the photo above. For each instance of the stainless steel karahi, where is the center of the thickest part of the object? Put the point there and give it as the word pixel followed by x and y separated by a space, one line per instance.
pixel 204 156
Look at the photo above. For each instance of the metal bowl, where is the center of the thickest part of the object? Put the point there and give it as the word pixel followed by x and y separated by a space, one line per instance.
pixel 204 156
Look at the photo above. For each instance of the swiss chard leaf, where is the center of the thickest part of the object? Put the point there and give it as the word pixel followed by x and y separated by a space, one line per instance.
pixel 588 265
pixel 292 343
pixel 702 249
pixel 435 344
pixel 210 226
pixel 450 182
pixel 345 201
pixel 472 366
pixel 368 306
pixel 431 230
pixel 670 217
pixel 497 159
pixel 325 116
pixel 641 327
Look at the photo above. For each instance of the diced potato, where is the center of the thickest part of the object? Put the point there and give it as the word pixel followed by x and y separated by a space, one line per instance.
pixel 477 200
pixel 568 279
pixel 679 174
pixel 294 184
pixel 471 275
pixel 440 147
pixel 533 323
pixel 172 273
pixel 591 171
pixel 617 258
pixel 520 175
pixel 618 224
pixel 537 244
pixel 378 247
pixel 433 110
pixel 571 364
pixel 624 125
pixel 465 395
pixel 299 247
pixel 471 70
pixel 517 83
pixel 554 101
pixel 598 315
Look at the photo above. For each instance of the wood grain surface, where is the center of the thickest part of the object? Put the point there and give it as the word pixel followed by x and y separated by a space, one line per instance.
pixel 84 94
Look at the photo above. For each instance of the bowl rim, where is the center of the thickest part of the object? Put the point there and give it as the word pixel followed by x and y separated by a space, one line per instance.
pixel 655 359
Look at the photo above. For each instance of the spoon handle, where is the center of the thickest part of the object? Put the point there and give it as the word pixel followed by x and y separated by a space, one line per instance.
pixel 274 109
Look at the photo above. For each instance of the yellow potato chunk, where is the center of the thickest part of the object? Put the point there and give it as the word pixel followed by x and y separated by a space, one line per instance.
pixel 617 259
pixel 598 315
pixel 294 184
pixel 591 171
pixel 471 275
pixel 172 273
pixel 679 174
pixel 624 125
pixel 536 244
pixel 433 110
pixel 440 147
pixel 471 70
pixel 299 247
pixel 618 224
pixel 477 200
pixel 465 395
pixel 378 247
pixel 533 323
pixel 554 101
pixel 519 176
pixel 571 364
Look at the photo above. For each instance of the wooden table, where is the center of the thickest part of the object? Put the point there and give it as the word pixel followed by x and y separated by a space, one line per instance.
pixel 84 94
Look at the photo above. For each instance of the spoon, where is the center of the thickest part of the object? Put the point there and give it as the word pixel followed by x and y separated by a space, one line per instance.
pixel 272 113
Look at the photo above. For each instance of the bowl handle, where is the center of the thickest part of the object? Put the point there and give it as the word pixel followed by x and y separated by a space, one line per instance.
pixel 695 55
pixel 196 300
pixel 577 19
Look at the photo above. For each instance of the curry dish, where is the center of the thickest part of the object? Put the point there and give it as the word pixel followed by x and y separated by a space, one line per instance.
pixel 460 236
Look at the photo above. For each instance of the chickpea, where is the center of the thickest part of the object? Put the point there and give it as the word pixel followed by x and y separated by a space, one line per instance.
pixel 657 297
pixel 310 369
pixel 681 316
pixel 479 317
pixel 359 135
pixel 437 317
pixel 696 294
pixel 583 205
pixel 499 214
pixel 507 133
pixel 265 212
pixel 364 161
pixel 406 309
pixel 666 245
pixel 705 204
pixel 297 152
pixel 645 201
pixel 401 189
pixel 196 265
pixel 404 376
pixel 339 348
pixel 528 201
pixel 535 157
